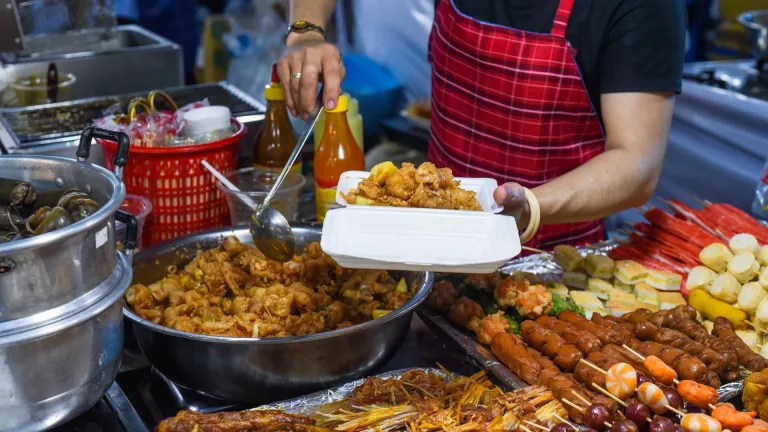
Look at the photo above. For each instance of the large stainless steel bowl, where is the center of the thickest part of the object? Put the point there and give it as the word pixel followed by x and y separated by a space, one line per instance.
pixel 255 370
pixel 51 372
pixel 44 272
pixel 756 23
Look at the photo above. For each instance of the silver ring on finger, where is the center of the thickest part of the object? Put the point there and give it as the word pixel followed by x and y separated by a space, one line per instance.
pixel 296 75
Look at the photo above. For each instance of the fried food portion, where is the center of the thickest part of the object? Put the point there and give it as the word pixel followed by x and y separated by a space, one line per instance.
pixel 235 291
pixel 755 397
pixel 424 187
pixel 242 421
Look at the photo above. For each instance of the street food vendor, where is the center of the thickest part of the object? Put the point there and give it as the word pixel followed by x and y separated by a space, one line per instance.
pixel 570 98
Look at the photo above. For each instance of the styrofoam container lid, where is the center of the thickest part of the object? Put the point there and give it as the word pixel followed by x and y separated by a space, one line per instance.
pixel 410 239
pixel 483 187
pixel 200 121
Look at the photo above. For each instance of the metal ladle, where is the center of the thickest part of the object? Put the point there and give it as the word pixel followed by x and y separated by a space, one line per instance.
pixel 270 230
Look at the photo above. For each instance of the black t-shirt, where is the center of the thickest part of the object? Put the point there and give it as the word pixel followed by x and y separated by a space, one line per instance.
pixel 621 45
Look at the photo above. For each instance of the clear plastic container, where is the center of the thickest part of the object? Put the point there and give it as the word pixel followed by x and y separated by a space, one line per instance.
pixel 140 208
pixel 255 183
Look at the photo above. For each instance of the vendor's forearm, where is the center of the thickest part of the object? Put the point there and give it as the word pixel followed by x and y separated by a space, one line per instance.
pixel 317 12
pixel 626 174
pixel 609 183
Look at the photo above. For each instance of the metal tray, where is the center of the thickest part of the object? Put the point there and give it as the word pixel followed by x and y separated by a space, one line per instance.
pixel 544 267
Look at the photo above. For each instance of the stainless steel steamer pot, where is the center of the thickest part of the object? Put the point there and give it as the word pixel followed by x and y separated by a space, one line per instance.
pixel 41 273
pixel 51 373
pixel 256 370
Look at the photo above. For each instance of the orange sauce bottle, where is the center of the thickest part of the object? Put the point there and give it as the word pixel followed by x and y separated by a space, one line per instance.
pixel 338 153
pixel 276 139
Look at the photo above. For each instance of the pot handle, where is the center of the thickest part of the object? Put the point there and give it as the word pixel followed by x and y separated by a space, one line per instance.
pixel 122 140
pixel 131 231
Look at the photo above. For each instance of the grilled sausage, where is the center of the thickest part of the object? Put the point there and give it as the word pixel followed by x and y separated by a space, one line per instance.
pixel 638 316
pixel 747 358
pixel 551 345
pixel 624 333
pixel 584 341
pixel 686 366
pixel 648 331
pixel 514 354
pixel 604 334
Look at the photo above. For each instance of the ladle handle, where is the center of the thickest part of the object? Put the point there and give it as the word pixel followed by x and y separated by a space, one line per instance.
pixel 311 121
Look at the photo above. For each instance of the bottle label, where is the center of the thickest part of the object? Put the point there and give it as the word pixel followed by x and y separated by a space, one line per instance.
pixel 295 169
pixel 326 200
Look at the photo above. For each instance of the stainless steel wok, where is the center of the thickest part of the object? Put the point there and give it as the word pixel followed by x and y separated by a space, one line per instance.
pixel 256 370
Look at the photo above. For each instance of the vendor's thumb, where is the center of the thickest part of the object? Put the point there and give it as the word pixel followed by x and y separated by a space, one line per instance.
pixel 512 197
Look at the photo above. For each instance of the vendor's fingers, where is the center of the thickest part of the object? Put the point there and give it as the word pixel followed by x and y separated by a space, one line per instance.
pixel 284 73
pixel 310 74
pixel 332 76
pixel 298 59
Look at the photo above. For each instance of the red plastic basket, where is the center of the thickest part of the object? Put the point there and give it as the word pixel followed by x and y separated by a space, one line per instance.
pixel 183 193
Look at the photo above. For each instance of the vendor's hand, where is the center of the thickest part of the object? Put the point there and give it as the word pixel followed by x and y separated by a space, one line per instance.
pixel 316 60
pixel 512 197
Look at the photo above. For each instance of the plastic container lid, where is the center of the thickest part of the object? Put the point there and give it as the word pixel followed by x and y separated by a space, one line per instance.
pixel 205 120
pixel 411 239
pixel 419 239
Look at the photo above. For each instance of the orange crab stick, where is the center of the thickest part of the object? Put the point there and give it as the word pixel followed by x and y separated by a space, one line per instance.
pixel 660 371
pixel 697 394
pixel 733 419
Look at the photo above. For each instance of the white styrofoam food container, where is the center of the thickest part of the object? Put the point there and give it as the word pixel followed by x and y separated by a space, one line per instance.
pixel 483 187
pixel 412 239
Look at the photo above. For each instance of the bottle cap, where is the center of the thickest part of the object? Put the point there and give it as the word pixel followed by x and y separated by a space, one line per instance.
pixel 341 106
pixel 274 91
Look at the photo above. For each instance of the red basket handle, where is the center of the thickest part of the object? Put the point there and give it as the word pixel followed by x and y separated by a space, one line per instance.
pixel 122 140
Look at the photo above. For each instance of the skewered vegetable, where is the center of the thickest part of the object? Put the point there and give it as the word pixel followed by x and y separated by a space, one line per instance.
pixel 750 296
pixel 711 308
pixel 744 267
pixel 744 243
pixel 16 192
pixel 697 394
pixel 725 287
pixel 700 277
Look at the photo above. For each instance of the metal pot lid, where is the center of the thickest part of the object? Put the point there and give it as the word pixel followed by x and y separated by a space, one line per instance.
pixel 73 313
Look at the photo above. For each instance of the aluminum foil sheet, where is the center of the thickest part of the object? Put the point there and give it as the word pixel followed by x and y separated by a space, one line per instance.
pixel 308 404
pixel 544 267
pixel 731 390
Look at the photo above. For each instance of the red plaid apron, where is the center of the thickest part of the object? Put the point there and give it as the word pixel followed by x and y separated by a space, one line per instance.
pixel 511 105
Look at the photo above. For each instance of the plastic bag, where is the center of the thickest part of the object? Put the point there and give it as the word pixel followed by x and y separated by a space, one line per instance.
pixel 151 128
pixel 255 42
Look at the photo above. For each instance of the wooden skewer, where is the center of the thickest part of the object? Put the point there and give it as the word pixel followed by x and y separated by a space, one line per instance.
pixel 607 393
pixel 573 405
pixel 676 411
pixel 536 425
pixel 525 429
pixel 749 323
pixel 593 366
pixel 581 398
pixel 531 249
pixel 562 420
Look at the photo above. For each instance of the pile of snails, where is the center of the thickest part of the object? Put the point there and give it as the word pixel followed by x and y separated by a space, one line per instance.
pixel 26 212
